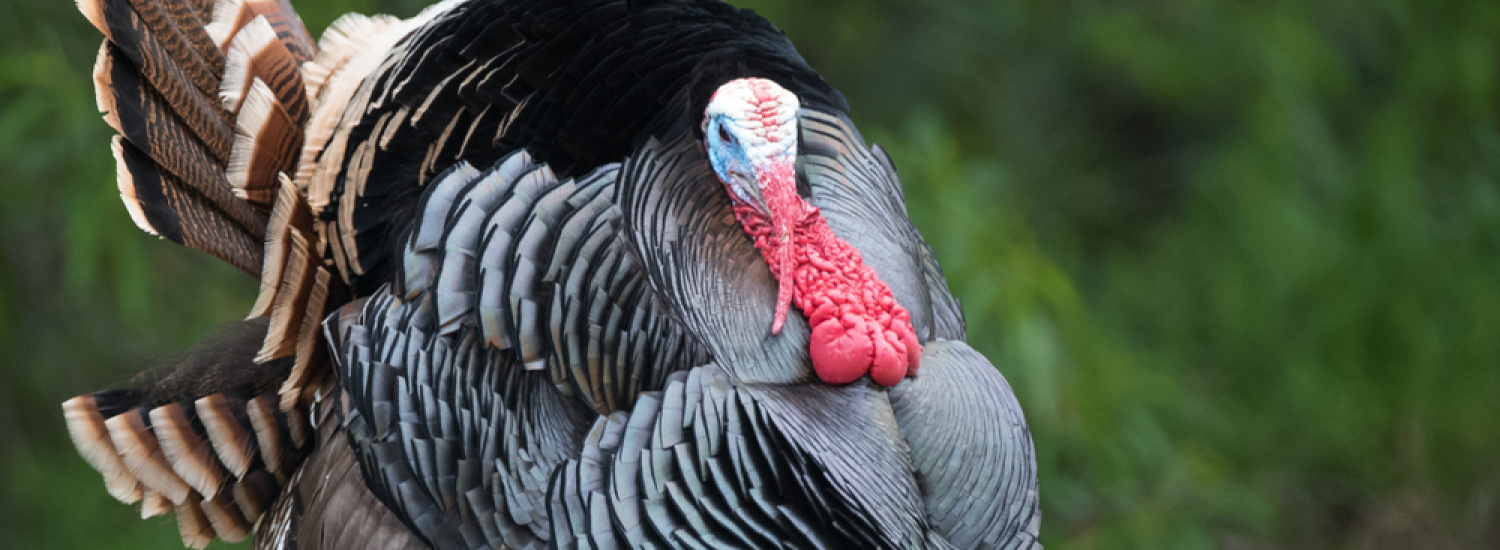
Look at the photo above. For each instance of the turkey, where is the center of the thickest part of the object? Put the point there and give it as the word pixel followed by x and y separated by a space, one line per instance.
pixel 585 273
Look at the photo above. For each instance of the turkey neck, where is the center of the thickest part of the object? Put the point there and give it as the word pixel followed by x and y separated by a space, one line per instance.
pixel 857 324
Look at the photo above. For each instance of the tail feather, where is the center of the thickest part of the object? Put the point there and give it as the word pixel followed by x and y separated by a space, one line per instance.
pixel 86 426
pixel 347 37
pixel 309 351
pixel 173 78
pixel 127 34
pixel 211 102
pixel 196 437
pixel 270 433
pixel 228 431
pixel 281 340
pixel 150 122
pixel 186 21
pixel 257 52
pixel 295 291
pixel 225 517
pixel 178 429
pixel 126 23
pixel 352 47
pixel 162 205
pixel 254 493
pixel 192 524
pixel 289 212
pixel 143 455
pixel 204 9
pixel 270 141
pixel 153 504
pixel 169 459
pixel 232 15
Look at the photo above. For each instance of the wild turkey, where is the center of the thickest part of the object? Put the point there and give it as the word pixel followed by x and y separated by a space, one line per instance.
pixel 539 233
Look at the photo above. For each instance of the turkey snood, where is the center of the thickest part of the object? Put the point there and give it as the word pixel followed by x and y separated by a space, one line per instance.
pixel 750 130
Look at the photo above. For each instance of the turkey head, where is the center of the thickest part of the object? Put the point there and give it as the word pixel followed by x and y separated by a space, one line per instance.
pixel 750 131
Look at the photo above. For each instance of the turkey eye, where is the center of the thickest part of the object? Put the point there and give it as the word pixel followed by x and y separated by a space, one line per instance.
pixel 724 135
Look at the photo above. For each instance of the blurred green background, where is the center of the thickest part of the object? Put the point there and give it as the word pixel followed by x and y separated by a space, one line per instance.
pixel 1241 261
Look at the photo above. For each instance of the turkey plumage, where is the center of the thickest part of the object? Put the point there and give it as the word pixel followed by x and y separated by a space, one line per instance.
pixel 515 290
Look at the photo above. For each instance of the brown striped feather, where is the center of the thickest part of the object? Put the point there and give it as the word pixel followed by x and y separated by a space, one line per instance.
pixel 228 433
pixel 192 524
pixel 296 425
pixel 147 122
pixel 91 437
pixel 254 493
pixel 309 346
pixel 290 303
pixel 190 457
pixel 123 22
pixel 162 205
pixel 204 9
pixel 268 432
pixel 186 21
pixel 199 111
pixel 143 455
pixel 202 71
pixel 230 16
pixel 267 146
pixel 154 504
pixel 290 211
pixel 256 52
pixel 225 517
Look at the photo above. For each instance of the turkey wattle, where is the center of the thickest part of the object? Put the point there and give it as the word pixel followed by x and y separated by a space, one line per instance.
pixel 517 262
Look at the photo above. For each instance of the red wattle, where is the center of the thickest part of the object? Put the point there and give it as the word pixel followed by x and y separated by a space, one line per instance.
pixel 840 355
pixel 857 326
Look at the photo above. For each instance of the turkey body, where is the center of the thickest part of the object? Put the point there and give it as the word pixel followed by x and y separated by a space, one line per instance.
pixel 544 326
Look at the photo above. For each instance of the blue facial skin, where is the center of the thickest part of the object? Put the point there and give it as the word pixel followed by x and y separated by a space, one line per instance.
pixel 731 162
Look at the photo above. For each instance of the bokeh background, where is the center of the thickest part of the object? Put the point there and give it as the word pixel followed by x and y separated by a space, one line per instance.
pixel 1240 260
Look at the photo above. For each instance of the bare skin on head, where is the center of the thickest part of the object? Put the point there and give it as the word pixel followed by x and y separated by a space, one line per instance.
pixel 750 130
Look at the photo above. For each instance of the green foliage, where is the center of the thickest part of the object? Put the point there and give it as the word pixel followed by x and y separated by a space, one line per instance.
pixel 1241 262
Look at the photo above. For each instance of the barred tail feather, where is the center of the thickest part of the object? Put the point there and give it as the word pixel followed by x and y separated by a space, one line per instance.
pixel 269 142
pixel 191 438
pixel 86 426
pixel 225 518
pixel 190 456
pixel 230 16
pixel 143 455
pixel 295 292
pixel 148 121
pixel 160 204
pixel 211 107
pixel 228 432
pixel 159 79
pixel 153 505
pixel 182 84
pixel 290 211
pixel 192 524
pixel 257 52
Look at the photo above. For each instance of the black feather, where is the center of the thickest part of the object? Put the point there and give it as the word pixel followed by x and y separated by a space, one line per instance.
pixel 672 57
pixel 221 363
